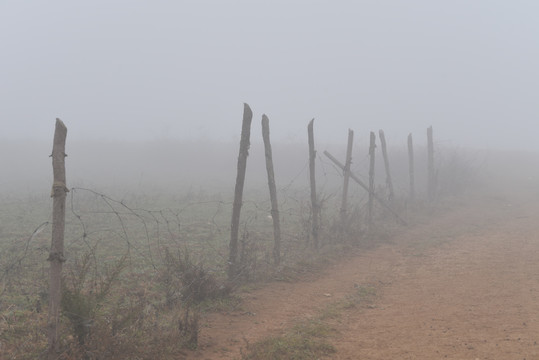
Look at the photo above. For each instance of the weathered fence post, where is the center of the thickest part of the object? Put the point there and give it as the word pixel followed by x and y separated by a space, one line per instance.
pixel 346 171
pixel 372 148
pixel 272 190
pixel 56 255
pixel 389 181
pixel 238 192
pixel 431 186
pixel 411 166
pixel 315 210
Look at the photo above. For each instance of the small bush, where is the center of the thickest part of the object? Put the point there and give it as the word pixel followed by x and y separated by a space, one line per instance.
pixel 184 280
pixel 81 298
pixel 109 323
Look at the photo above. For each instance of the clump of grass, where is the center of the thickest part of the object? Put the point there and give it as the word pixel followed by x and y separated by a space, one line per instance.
pixel 227 303
pixel 362 297
pixel 188 327
pixel 303 342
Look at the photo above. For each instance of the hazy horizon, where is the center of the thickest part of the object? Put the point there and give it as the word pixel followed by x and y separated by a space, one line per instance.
pixel 182 70
pixel 176 167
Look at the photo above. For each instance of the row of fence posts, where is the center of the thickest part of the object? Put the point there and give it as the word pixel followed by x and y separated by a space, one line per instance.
pixel 233 268
pixel 59 190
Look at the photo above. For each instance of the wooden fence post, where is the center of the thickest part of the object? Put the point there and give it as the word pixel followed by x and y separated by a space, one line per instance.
pixel 372 148
pixel 233 269
pixel 411 166
pixel 315 210
pixel 346 171
pixel 272 190
pixel 56 255
pixel 389 181
pixel 431 190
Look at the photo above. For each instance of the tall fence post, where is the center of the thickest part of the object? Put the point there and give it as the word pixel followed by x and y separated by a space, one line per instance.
pixel 238 192
pixel 389 181
pixel 272 190
pixel 372 148
pixel 431 185
pixel 346 171
pixel 411 169
pixel 315 210
pixel 56 255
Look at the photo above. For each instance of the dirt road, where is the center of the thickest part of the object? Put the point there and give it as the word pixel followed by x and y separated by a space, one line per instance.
pixel 463 285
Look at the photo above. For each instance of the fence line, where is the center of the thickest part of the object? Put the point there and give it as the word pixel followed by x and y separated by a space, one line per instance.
pixel 172 248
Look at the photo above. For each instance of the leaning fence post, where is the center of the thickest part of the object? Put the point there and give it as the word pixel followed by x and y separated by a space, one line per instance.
pixel 314 203
pixel 411 166
pixel 56 255
pixel 372 148
pixel 347 165
pixel 389 182
pixel 364 186
pixel 272 190
pixel 238 192
pixel 430 166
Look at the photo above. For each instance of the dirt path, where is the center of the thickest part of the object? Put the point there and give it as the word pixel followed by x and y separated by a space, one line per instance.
pixel 461 286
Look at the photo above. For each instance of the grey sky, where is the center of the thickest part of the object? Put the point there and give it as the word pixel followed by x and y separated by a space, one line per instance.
pixel 182 69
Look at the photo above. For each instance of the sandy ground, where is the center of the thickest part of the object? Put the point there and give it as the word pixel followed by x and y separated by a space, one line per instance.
pixel 462 285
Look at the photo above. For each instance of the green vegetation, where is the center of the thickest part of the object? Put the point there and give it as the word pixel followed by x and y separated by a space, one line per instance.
pixel 141 271
pixel 310 339
pixel 303 342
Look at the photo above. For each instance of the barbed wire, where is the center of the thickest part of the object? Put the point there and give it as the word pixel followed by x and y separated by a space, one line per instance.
pixel 110 228
pixel 16 263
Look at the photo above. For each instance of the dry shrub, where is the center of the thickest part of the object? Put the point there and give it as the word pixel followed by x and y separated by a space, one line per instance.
pixel 188 281
pixel 109 323
pixel 249 264
pixel 82 297
pixel 188 326
pixel 137 338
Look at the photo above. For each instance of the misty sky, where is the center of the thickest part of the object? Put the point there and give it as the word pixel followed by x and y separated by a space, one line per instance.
pixel 182 69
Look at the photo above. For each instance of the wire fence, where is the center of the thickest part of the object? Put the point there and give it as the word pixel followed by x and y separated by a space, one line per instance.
pixel 142 252
pixel 144 227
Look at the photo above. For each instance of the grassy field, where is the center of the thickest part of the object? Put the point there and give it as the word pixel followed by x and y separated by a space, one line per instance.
pixel 141 269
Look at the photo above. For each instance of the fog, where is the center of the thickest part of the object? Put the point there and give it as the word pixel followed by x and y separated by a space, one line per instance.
pixel 123 168
pixel 150 244
pixel 152 93
pixel 146 71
